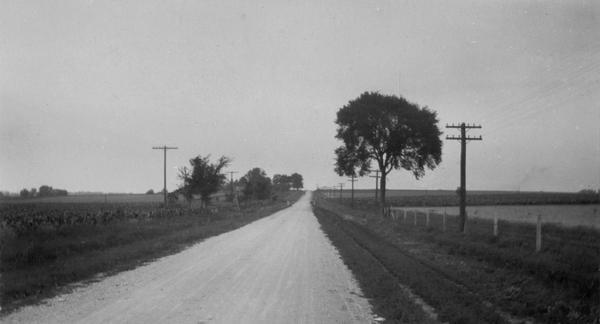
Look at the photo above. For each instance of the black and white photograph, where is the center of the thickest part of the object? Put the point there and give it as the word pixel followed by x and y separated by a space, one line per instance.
pixel 282 161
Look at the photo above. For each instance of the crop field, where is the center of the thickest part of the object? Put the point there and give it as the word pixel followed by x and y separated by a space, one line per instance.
pixel 92 198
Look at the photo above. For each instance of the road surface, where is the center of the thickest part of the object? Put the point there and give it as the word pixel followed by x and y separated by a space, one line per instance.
pixel 280 269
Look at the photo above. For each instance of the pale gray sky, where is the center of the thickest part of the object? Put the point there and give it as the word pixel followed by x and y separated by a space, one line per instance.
pixel 88 87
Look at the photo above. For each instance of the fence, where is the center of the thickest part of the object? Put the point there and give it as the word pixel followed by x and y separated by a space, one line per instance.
pixel 543 234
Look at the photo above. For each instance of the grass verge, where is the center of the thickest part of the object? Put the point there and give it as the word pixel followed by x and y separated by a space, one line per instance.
pixel 43 263
pixel 380 267
pixel 557 285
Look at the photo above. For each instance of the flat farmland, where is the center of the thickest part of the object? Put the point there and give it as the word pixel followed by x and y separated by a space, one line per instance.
pixel 405 197
pixel 94 198
pixel 567 215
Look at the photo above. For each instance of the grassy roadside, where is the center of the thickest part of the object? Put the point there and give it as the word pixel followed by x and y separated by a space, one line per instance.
pixel 377 283
pixel 44 263
pixel 505 274
pixel 380 267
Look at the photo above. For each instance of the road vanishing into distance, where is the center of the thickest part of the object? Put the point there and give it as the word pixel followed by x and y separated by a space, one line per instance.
pixel 279 269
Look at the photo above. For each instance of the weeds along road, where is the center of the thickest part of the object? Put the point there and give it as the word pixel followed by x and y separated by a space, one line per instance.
pixel 280 269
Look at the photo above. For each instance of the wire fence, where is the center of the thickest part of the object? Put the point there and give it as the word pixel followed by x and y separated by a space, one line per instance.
pixel 536 235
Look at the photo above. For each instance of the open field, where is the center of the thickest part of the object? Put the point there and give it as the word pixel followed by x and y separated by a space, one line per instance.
pixel 58 249
pixel 487 278
pixel 91 198
pixel 450 198
pixel 566 215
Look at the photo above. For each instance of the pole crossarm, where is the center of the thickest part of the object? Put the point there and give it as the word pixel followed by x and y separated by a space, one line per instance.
pixel 165 147
pixel 461 125
pixel 468 138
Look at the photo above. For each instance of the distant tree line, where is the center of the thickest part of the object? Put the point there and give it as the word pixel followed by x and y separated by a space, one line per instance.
pixel 282 182
pixel 44 191
pixel 590 192
pixel 205 178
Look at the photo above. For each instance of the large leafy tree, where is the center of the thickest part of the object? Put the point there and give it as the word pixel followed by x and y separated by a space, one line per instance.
pixel 203 177
pixel 389 131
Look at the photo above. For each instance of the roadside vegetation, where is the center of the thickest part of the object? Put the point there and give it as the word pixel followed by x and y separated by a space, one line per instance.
pixel 475 277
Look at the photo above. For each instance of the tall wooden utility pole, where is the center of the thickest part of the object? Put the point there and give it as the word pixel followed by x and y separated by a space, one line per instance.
pixel 376 185
pixel 231 181
pixel 463 138
pixel 353 180
pixel 164 148
pixel 341 188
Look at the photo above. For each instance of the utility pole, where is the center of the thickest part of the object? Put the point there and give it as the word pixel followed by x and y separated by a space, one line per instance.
pixel 376 185
pixel 463 138
pixel 231 181
pixel 341 187
pixel 164 148
pixel 353 180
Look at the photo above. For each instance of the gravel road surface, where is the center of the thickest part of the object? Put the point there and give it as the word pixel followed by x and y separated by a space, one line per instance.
pixel 280 269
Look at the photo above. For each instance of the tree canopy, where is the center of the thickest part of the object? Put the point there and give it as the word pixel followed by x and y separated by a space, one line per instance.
pixel 387 130
pixel 203 177
pixel 297 181
pixel 283 182
pixel 256 184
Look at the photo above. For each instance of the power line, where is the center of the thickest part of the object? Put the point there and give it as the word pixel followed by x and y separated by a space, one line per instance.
pixel 463 138
pixel 164 148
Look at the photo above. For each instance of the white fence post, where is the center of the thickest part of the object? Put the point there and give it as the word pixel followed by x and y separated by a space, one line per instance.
pixel 538 234
pixel 403 216
pixel 427 218
pixel 415 212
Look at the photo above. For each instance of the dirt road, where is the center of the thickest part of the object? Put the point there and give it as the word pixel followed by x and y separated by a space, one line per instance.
pixel 280 269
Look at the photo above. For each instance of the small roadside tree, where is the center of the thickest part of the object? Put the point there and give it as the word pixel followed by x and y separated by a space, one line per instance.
pixel 256 184
pixel 281 182
pixel 390 131
pixel 203 177
pixel 297 181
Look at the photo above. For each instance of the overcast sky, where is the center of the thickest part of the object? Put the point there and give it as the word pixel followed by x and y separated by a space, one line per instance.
pixel 88 87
